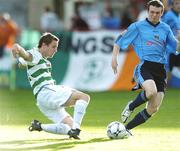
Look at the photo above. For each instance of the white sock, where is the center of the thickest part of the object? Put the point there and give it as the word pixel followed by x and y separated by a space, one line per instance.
pixel 79 111
pixel 58 128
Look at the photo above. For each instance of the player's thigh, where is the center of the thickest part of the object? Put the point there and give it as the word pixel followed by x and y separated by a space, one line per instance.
pixel 77 95
pixel 143 76
pixel 56 115
pixel 150 88
pixel 54 96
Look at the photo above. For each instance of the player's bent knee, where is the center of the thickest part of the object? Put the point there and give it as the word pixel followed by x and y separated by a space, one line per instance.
pixel 150 93
pixel 82 96
pixel 150 87
pixel 86 98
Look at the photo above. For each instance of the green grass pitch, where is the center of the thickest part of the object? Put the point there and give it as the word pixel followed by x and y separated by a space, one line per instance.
pixel 160 133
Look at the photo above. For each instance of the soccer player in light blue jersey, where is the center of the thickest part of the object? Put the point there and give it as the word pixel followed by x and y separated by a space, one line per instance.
pixel 172 18
pixel 51 99
pixel 150 39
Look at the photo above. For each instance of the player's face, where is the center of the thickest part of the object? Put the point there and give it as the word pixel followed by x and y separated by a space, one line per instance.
pixel 154 14
pixel 51 49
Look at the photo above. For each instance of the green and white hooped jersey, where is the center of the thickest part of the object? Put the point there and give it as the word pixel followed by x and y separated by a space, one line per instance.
pixel 38 71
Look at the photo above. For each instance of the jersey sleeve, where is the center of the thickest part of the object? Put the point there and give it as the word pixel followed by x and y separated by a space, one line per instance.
pixel 171 42
pixel 35 57
pixel 123 41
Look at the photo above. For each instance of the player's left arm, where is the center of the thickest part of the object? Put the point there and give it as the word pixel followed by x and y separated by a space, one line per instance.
pixel 172 42
pixel 178 38
pixel 19 51
pixel 21 55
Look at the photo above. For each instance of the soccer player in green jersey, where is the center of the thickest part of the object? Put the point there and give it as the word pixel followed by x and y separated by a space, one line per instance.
pixel 51 99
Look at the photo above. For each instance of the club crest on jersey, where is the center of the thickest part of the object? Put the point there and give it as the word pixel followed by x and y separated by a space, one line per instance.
pixel 156 37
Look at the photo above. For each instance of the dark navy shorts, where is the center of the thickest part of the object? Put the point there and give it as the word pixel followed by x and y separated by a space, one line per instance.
pixel 151 70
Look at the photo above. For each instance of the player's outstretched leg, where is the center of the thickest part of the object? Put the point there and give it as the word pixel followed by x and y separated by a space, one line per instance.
pixel 140 99
pixel 55 128
pixel 139 119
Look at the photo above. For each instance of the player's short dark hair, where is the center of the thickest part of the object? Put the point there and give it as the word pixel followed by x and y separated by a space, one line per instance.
pixel 156 3
pixel 47 38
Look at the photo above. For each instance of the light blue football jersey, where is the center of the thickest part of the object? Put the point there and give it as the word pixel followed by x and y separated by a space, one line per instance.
pixel 150 42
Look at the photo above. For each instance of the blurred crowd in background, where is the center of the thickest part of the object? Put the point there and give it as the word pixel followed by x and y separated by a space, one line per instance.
pixel 74 14
pixel 18 17
pixel 69 15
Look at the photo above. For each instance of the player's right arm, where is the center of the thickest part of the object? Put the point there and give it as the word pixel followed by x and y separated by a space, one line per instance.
pixel 115 54
pixel 122 42
pixel 19 51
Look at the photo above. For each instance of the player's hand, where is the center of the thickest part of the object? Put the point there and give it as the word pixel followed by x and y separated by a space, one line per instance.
pixel 15 50
pixel 114 64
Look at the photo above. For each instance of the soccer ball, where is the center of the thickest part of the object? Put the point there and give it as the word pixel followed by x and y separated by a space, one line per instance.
pixel 116 130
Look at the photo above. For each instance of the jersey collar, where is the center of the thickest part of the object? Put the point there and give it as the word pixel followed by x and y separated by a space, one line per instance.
pixel 152 23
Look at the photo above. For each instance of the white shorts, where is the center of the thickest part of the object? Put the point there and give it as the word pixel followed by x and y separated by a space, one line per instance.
pixel 51 99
